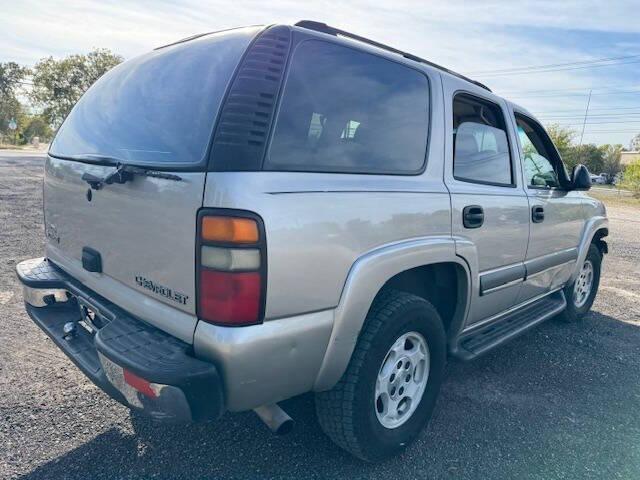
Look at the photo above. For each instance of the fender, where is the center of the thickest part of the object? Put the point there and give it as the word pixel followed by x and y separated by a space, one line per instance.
pixel 366 277
pixel 591 227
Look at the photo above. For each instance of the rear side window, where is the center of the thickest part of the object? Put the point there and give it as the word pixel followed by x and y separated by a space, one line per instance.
pixel 158 108
pixel 343 110
pixel 481 149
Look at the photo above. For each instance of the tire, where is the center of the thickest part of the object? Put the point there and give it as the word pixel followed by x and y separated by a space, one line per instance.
pixel 349 413
pixel 576 310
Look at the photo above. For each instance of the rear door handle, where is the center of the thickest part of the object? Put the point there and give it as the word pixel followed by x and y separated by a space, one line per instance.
pixel 472 216
pixel 537 214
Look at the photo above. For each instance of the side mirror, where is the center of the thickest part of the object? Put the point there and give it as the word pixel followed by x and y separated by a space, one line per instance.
pixel 580 180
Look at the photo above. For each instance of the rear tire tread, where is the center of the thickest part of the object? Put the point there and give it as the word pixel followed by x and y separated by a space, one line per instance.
pixel 334 407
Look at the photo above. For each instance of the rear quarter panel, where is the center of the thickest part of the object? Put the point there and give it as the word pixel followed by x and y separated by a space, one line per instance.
pixel 317 225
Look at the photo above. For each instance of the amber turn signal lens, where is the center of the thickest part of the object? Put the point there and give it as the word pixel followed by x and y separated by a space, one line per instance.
pixel 229 229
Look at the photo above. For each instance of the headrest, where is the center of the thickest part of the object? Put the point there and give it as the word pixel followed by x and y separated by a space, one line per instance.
pixel 466 144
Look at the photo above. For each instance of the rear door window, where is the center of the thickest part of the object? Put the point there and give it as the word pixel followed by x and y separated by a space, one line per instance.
pixel 344 110
pixel 158 108
pixel 481 148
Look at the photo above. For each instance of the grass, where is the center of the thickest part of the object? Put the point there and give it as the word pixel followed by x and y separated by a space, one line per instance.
pixel 615 200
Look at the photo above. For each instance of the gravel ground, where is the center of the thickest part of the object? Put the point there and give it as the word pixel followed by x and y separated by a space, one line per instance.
pixel 560 402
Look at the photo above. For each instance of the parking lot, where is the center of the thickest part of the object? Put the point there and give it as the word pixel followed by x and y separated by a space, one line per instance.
pixel 561 402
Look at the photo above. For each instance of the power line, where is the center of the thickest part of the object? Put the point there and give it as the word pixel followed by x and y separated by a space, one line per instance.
pixel 553 65
pixel 611 131
pixel 619 92
pixel 598 123
pixel 593 108
pixel 549 90
pixel 531 72
pixel 604 115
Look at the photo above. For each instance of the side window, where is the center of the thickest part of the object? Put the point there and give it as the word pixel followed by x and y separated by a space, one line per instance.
pixel 343 110
pixel 539 171
pixel 481 149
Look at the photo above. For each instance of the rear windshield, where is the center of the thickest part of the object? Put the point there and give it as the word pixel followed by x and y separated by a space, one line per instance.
pixel 158 108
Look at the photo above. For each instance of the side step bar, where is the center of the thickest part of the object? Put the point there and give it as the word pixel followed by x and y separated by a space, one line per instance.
pixel 478 341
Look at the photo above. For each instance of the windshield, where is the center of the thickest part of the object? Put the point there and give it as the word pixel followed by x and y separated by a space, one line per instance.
pixel 158 108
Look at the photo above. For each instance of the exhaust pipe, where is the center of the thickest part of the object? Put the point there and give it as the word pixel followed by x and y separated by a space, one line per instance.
pixel 275 418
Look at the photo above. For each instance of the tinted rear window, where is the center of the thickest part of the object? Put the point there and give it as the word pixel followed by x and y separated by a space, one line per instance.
pixel 344 110
pixel 158 108
pixel 481 148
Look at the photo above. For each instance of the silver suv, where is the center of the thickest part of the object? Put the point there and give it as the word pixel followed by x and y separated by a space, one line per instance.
pixel 245 216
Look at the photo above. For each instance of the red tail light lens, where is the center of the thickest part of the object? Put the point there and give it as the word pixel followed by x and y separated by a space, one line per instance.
pixel 230 298
pixel 231 268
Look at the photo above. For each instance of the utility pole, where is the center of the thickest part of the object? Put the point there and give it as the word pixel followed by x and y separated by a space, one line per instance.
pixel 586 112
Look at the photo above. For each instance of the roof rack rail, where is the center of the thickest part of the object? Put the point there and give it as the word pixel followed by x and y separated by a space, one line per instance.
pixel 324 28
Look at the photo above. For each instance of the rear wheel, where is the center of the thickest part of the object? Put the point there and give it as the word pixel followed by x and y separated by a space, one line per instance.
pixel 388 392
pixel 582 292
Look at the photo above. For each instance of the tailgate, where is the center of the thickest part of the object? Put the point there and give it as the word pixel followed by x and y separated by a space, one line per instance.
pixel 144 232
pixel 156 112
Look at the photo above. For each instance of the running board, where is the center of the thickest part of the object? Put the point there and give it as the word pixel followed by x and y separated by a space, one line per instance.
pixel 480 340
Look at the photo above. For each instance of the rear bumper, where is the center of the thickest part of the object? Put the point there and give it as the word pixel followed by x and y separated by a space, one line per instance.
pixel 135 363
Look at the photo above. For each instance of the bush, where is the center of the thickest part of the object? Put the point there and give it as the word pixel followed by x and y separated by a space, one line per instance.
pixel 631 178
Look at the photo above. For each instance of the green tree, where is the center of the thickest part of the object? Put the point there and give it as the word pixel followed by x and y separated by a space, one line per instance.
pixel 11 78
pixel 59 84
pixel 37 126
pixel 562 138
pixel 635 142
pixel 11 109
pixel 611 160
pixel 631 178
pixel 590 156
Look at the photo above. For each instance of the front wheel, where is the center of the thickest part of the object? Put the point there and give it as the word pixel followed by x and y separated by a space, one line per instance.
pixel 582 292
pixel 388 392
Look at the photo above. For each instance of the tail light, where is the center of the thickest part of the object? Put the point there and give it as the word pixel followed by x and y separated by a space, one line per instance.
pixel 231 268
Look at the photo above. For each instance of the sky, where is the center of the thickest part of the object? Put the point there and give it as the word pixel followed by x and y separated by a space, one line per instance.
pixel 476 38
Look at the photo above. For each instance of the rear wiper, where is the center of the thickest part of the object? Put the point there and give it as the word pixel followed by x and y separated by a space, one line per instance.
pixel 96 159
pixel 122 174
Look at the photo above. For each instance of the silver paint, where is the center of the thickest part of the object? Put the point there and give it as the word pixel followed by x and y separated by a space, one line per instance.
pixel 263 364
pixel 144 227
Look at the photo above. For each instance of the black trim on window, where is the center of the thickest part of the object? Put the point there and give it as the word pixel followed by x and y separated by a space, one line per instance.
pixel 481 182
pixel 247 113
pixel 556 160
pixel 479 99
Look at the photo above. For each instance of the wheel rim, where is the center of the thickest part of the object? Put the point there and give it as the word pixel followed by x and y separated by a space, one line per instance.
pixel 583 284
pixel 402 380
